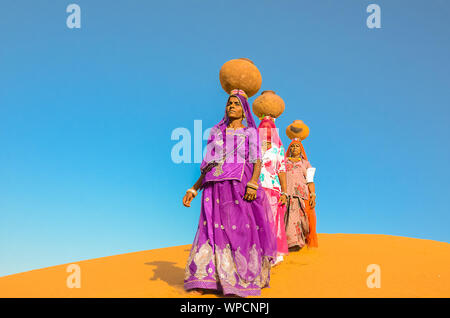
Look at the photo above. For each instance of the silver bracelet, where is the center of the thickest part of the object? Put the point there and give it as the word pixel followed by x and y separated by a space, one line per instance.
pixel 191 190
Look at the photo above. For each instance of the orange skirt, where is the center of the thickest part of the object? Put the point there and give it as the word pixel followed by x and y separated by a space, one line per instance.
pixel 311 239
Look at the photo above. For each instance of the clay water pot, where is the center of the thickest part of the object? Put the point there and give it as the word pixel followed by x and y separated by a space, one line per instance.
pixel 268 104
pixel 297 129
pixel 240 74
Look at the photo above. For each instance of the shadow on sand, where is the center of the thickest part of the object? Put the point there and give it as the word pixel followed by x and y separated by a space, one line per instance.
pixel 168 272
pixel 174 276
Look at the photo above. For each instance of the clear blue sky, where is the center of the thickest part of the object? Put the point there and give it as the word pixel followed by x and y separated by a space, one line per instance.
pixel 86 116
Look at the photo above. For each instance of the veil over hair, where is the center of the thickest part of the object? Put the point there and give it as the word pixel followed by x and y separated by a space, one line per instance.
pixel 240 94
pixel 217 140
pixel 298 142
pixel 268 131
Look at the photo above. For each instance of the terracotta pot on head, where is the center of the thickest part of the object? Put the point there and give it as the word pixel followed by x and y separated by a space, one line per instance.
pixel 240 74
pixel 268 104
pixel 297 129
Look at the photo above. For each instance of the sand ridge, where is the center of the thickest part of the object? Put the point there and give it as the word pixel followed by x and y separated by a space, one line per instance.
pixel 338 268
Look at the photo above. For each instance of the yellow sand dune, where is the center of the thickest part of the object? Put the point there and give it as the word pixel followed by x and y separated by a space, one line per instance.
pixel 408 268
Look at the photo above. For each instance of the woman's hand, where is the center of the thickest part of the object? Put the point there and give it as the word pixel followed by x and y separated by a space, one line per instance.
pixel 187 199
pixel 282 199
pixel 283 196
pixel 312 201
pixel 250 194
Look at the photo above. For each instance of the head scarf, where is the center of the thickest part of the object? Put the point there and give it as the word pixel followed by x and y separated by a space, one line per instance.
pixel 220 128
pixel 268 131
pixel 299 142
pixel 240 94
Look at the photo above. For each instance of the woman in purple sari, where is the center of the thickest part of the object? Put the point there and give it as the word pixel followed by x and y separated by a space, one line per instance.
pixel 234 248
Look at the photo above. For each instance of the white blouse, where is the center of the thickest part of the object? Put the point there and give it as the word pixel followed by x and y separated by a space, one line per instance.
pixel 273 162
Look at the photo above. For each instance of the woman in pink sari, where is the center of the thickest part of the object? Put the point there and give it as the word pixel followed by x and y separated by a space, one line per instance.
pixel 301 216
pixel 273 180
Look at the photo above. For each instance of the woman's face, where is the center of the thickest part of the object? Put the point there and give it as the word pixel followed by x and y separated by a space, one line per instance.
pixel 295 150
pixel 234 109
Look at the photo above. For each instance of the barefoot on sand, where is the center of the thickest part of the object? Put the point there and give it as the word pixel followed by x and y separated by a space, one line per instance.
pixel 197 291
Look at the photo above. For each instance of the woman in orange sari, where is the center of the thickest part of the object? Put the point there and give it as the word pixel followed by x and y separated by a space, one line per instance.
pixel 300 186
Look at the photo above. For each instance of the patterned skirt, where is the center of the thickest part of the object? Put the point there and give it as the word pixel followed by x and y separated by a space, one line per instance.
pixel 279 229
pixel 234 246
pixel 297 225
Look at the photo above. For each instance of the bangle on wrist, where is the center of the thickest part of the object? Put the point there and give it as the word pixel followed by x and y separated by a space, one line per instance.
pixel 252 185
pixel 193 191
pixel 312 194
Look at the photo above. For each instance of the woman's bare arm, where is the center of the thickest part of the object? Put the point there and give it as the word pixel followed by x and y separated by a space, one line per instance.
pixel 282 178
pixel 189 196
pixel 256 171
pixel 199 182
pixel 312 194
pixel 250 193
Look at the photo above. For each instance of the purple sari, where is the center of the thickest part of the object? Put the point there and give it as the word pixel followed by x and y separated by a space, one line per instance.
pixel 234 246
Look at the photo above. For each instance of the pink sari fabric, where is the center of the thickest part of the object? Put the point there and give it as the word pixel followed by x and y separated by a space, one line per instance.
pixel 278 226
pixel 268 131
pixel 273 163
pixel 311 239
pixel 299 194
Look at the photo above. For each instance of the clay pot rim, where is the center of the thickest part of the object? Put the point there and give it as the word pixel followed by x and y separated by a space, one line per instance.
pixel 246 59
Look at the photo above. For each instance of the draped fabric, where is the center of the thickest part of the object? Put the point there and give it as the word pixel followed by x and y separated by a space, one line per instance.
pixel 278 213
pixel 297 141
pixel 273 162
pixel 268 131
pixel 311 237
pixel 218 145
pixel 234 246
pixel 297 225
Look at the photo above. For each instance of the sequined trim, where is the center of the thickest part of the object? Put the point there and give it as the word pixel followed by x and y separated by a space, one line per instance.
pixel 227 267
pixel 187 272
pixel 253 264
pixel 202 259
